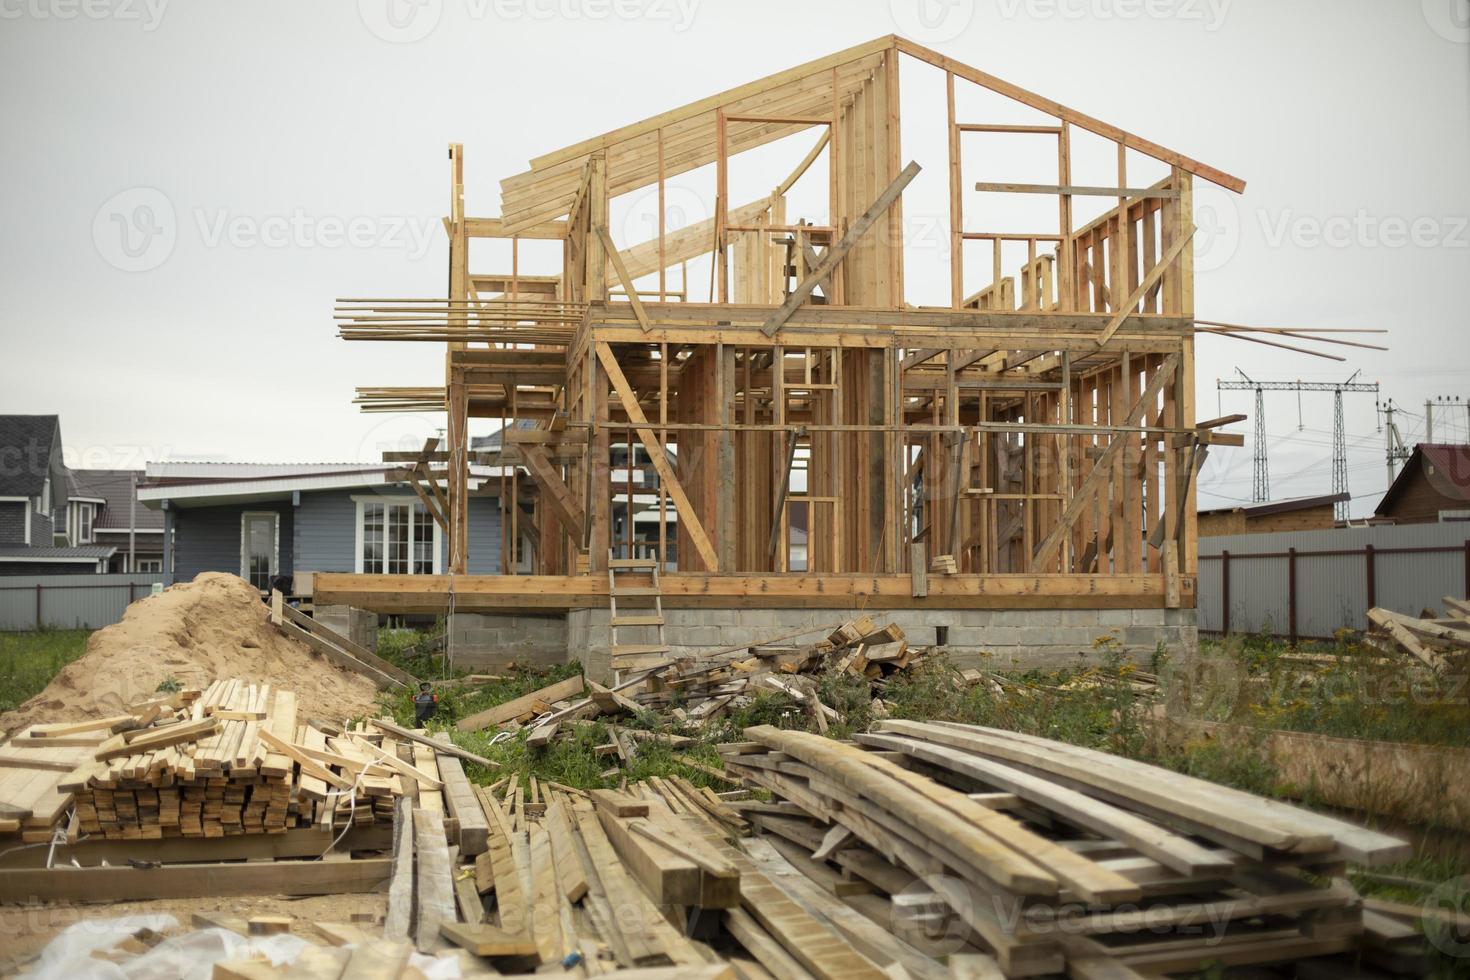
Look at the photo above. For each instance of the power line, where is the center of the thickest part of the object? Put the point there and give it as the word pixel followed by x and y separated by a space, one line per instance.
pixel 1260 463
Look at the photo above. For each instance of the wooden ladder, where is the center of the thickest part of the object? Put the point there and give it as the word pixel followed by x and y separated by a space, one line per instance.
pixel 632 656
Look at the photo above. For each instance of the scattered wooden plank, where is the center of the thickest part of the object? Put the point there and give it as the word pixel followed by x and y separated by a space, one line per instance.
pixel 502 713
pixel 125 884
pixel 435 885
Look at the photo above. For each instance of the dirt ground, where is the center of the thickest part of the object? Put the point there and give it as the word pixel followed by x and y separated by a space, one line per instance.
pixel 25 930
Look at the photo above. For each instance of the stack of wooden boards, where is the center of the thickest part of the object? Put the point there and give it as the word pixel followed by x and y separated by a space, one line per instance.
pixel 653 877
pixel 32 766
pixel 1440 644
pixel 1054 858
pixel 231 759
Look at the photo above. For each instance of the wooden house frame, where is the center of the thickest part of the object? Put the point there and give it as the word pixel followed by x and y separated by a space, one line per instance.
pixel 1040 429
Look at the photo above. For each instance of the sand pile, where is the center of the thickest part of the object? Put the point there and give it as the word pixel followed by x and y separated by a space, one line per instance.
pixel 214 626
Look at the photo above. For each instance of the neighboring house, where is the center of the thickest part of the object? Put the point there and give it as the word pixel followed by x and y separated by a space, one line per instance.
pixel 260 521
pixel 102 508
pixel 1434 485
pixel 1290 514
pixel 33 491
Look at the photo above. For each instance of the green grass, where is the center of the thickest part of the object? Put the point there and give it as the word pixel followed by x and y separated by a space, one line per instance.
pixel 28 661
pixel 1362 695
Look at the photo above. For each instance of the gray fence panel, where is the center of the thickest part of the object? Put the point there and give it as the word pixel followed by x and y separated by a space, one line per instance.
pixel 1257 595
pixel 69 601
pixel 1414 566
pixel 1207 594
pixel 1412 583
pixel 1331 593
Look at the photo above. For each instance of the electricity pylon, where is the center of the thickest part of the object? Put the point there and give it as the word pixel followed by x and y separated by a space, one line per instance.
pixel 1260 473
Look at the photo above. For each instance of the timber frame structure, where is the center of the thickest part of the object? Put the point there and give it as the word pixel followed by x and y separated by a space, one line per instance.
pixel 1039 429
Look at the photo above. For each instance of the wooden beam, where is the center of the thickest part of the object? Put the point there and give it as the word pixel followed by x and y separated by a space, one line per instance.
pixel 1076 189
pixel 126 884
pixel 837 252
pixel 502 713
pixel 1136 297
pixel 1103 467
pixel 669 480
pixel 1105 130
pixel 616 259
pixel 556 493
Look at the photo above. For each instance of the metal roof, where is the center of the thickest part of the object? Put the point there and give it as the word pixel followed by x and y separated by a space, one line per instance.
pixel 26 442
pixel 88 552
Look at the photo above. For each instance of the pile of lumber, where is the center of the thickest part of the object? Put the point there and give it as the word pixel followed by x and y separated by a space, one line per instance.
pixel 1437 643
pixel 693 690
pixel 230 759
pixel 701 689
pixel 1052 858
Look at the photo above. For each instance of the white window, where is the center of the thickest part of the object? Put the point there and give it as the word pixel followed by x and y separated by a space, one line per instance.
pixel 84 523
pixel 259 547
pixel 45 501
pixel 148 565
pixel 396 537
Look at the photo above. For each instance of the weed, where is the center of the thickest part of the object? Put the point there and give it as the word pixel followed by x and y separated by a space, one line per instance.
pixel 28 661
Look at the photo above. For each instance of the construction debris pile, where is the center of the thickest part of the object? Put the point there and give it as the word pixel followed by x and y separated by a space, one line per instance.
pixel 694 690
pixel 914 850
pixel 233 758
pixel 925 850
pixel 1437 643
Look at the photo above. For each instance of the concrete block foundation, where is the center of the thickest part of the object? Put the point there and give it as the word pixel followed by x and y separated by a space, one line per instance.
pixel 1000 638
pixel 491 641
pixel 358 625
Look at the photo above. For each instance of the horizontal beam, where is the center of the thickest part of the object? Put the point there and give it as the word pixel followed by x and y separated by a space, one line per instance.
pixel 507 593
pixel 127 884
pixel 1076 190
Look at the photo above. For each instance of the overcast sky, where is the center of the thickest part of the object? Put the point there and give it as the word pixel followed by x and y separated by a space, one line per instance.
pixel 186 186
